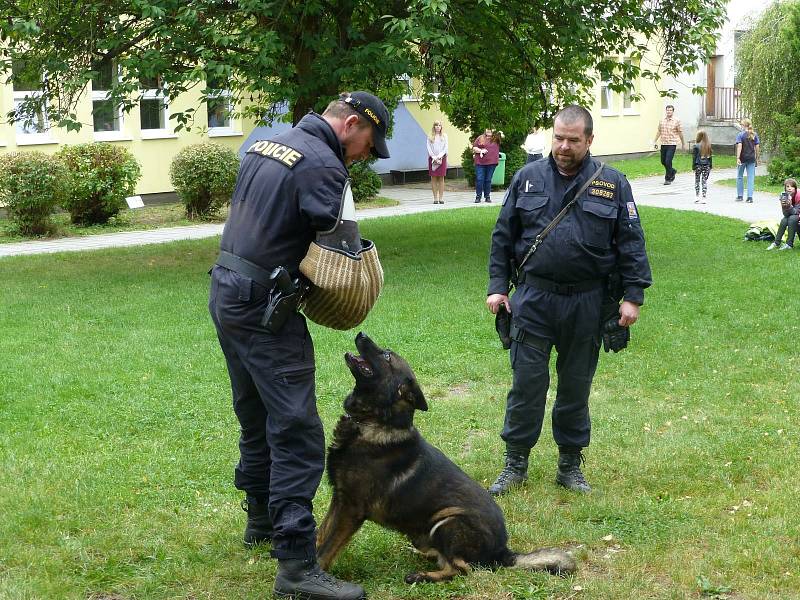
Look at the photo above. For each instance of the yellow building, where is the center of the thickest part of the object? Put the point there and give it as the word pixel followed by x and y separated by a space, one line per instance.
pixel 622 127
pixel 146 130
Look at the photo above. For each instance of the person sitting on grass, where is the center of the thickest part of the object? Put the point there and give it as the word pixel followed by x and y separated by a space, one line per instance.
pixel 790 205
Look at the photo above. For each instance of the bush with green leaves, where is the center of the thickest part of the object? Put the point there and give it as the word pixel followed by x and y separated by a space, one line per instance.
pixel 364 181
pixel 786 161
pixel 468 164
pixel 204 176
pixel 32 186
pixel 104 175
pixel 515 160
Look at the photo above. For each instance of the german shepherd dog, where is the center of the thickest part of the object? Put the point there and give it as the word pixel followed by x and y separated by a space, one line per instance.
pixel 382 470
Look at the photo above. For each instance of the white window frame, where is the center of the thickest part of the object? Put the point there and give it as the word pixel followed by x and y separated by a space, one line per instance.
pixel 163 132
pixel 226 130
pixel 27 138
pixel 407 97
pixel 610 97
pixel 114 134
pixel 633 109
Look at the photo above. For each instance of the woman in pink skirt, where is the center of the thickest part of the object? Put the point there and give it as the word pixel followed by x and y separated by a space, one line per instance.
pixel 437 161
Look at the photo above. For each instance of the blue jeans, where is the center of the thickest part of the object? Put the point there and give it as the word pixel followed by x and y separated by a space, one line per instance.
pixel 667 154
pixel 751 176
pixel 791 223
pixel 483 180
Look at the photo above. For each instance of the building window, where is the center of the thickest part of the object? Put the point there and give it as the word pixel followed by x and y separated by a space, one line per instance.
pixel 606 99
pixel 25 84
pixel 153 107
pixel 629 105
pixel 408 89
pixel 219 106
pixel 106 116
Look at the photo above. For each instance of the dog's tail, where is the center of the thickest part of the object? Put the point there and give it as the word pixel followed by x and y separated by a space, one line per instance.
pixel 554 560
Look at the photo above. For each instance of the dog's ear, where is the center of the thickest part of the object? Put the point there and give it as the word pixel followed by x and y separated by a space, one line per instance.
pixel 410 390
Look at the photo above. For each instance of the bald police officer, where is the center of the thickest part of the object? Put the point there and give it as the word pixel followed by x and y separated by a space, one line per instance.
pixel 560 290
pixel 289 188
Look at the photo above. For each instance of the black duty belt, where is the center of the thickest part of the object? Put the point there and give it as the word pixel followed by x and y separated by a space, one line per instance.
pixel 564 289
pixel 244 267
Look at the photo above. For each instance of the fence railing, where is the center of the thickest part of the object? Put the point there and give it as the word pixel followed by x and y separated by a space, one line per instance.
pixel 723 104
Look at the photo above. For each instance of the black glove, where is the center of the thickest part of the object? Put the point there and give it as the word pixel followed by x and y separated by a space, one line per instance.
pixel 615 336
pixel 502 323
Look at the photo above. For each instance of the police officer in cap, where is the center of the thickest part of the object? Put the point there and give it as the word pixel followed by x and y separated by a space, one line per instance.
pixel 290 187
pixel 560 290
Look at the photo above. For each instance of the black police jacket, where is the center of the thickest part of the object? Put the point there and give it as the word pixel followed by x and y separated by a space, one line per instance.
pixel 600 232
pixel 289 188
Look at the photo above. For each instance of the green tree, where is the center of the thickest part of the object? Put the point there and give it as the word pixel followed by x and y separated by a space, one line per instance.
pixel 508 63
pixel 768 61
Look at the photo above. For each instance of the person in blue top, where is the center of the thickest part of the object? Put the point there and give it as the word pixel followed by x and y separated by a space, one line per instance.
pixel 747 152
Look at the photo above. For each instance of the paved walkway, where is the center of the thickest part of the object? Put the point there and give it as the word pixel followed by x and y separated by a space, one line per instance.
pixel 648 191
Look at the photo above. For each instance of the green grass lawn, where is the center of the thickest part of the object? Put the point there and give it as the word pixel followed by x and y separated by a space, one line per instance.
pixel 118 441
pixel 148 217
pixel 174 215
pixel 651 165
pixel 761 184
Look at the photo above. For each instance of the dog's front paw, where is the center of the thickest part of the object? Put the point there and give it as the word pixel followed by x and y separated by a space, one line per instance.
pixel 416 578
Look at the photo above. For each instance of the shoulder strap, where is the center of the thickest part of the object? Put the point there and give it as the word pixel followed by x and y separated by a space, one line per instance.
pixel 558 217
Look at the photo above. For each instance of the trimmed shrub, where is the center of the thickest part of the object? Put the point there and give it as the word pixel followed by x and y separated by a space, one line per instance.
pixel 786 161
pixel 104 175
pixel 204 176
pixel 468 164
pixel 365 182
pixel 32 186
pixel 515 160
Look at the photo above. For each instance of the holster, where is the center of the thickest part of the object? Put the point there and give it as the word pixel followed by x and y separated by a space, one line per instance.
pixel 502 323
pixel 284 299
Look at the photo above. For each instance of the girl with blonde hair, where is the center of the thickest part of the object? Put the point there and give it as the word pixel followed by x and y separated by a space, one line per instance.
pixel 437 160
pixel 747 150
pixel 701 163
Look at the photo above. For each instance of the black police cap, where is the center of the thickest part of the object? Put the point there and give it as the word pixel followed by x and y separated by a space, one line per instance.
pixel 371 108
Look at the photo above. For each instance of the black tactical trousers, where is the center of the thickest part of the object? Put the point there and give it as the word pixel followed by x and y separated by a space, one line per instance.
pixel 281 443
pixel 571 324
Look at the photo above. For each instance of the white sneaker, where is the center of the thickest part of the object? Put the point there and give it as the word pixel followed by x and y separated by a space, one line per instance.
pixel 772 246
pixel 785 247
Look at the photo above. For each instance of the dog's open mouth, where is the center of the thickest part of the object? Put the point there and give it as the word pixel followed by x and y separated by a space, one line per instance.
pixel 355 361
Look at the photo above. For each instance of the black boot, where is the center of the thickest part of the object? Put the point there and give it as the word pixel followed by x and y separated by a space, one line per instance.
pixel 303 579
pixel 514 473
pixel 259 523
pixel 569 470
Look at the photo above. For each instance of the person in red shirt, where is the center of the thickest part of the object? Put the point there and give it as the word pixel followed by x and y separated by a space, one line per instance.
pixel 486 155
pixel 790 205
